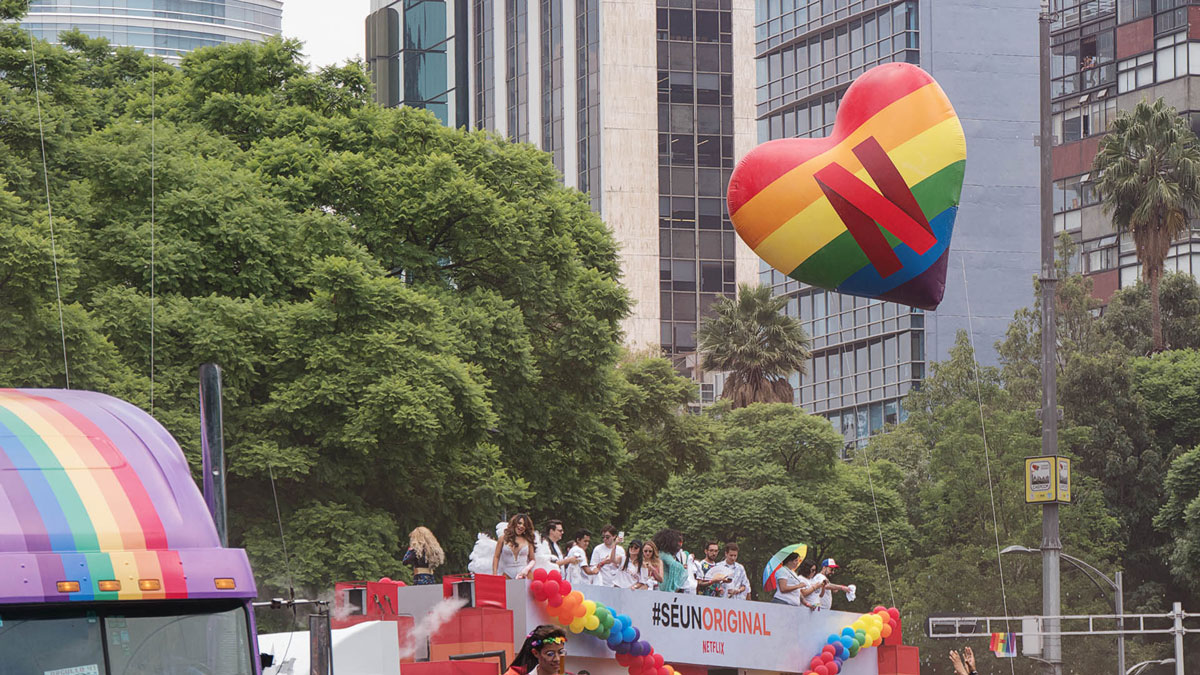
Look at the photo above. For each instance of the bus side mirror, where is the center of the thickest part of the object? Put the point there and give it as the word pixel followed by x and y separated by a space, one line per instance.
pixel 266 660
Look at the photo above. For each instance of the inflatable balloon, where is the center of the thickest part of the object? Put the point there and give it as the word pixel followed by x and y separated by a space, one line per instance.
pixel 870 209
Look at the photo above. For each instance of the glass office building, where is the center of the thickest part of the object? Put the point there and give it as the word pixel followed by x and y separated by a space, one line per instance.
pixel 165 28
pixel 867 354
pixel 414 58
pixel 640 105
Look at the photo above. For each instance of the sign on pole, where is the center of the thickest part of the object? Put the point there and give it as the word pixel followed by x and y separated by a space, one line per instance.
pixel 1047 480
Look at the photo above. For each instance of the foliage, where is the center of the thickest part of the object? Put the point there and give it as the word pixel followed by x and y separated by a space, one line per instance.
pixel 407 316
pixel 1127 314
pixel 756 343
pixel 1149 168
pixel 777 479
pixel 1180 516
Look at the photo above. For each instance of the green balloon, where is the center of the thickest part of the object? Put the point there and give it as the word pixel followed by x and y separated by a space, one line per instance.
pixel 854 649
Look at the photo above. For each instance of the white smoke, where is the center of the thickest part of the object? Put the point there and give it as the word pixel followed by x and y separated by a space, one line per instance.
pixel 429 624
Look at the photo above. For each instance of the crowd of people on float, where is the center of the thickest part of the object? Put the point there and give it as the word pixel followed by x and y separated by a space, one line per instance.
pixel 658 563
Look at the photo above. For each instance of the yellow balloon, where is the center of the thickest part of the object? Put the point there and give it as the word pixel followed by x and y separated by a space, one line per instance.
pixel 591 622
pixel 576 626
pixel 591 606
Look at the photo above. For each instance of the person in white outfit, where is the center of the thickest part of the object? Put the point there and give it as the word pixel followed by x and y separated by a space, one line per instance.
pixel 514 556
pixel 737 583
pixel 577 570
pixel 608 557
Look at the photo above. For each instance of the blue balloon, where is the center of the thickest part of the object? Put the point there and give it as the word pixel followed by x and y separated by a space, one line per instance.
pixel 614 639
pixel 625 620
pixel 848 631
pixel 833 639
pixel 629 634
pixel 848 643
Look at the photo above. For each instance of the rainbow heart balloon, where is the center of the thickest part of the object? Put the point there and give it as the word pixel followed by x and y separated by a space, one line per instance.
pixel 870 209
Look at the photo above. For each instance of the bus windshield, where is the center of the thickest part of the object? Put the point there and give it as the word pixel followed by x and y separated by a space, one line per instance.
pixel 124 639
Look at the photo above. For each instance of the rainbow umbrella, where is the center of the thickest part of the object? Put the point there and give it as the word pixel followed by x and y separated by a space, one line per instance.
pixel 776 562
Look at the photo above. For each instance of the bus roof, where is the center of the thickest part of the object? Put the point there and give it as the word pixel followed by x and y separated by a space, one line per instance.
pixel 94 489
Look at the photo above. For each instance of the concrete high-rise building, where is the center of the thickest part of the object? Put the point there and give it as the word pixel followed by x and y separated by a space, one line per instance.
pixel 867 354
pixel 1106 56
pixel 643 105
pixel 166 28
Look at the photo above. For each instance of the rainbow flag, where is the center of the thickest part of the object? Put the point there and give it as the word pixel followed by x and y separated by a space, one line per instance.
pixel 1004 645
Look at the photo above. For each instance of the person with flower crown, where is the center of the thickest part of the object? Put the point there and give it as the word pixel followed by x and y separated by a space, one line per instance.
pixel 544 653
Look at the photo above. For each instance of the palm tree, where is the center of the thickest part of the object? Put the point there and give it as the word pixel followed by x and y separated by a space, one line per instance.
pixel 1149 169
pixel 756 343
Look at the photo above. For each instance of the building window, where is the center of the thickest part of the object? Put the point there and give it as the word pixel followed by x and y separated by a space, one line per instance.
pixel 1170 57
pixel 1081 62
pixel 517 69
pixel 1075 119
pixel 552 80
pixel 485 82
pixel 1070 196
pixel 1135 73
pixel 587 74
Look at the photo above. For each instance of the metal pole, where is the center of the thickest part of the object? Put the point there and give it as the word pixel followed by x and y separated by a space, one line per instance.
pixel 1177 610
pixel 320 645
pixel 212 448
pixel 1121 622
pixel 1051 546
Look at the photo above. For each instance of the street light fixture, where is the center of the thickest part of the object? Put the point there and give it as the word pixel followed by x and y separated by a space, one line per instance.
pixel 1116 585
pixel 1139 667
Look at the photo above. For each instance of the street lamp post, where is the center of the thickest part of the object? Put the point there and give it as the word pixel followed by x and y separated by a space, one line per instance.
pixel 1117 585
pixel 1048 280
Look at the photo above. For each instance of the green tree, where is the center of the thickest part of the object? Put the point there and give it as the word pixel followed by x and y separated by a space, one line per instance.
pixel 756 343
pixel 1127 316
pixel 417 325
pixel 777 479
pixel 1180 518
pixel 1149 168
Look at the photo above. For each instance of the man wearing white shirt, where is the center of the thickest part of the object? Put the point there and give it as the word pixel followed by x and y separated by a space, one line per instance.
pixel 577 571
pixel 608 557
pixel 736 584
pixel 827 570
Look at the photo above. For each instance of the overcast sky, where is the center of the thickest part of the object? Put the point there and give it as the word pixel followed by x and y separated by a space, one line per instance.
pixel 332 30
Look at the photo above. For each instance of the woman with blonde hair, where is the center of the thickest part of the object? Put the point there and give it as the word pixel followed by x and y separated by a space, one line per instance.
pixel 649 567
pixel 514 555
pixel 424 554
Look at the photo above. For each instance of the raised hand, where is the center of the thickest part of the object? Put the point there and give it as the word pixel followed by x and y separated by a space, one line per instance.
pixel 969 657
pixel 959 668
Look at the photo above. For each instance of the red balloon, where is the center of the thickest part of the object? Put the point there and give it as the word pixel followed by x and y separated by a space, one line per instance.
pixel 821 670
pixel 554 575
pixel 659 661
pixel 564 587
pixel 538 589
pixel 552 588
pixel 815 662
pixel 554 600
pixel 894 613
pixel 826 657
pixel 833 668
pixel 540 574
pixel 624 659
pixel 829 649
pixel 662 670
pixel 878 609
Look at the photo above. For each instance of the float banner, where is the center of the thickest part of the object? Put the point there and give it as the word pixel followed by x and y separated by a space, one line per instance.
pixel 713 632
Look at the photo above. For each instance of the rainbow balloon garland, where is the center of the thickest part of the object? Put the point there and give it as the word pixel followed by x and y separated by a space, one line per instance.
pixel 869 630
pixel 580 615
